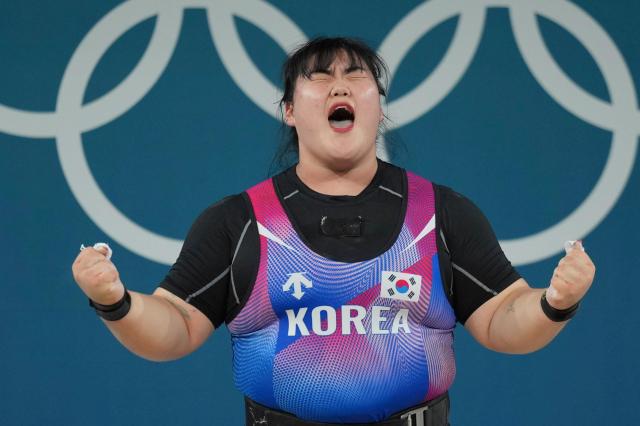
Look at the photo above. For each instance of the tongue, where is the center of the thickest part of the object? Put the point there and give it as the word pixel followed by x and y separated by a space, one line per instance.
pixel 340 124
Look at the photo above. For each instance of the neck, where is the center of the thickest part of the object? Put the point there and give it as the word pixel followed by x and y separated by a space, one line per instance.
pixel 332 181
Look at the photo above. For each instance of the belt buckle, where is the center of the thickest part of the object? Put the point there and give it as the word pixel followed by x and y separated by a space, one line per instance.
pixel 419 416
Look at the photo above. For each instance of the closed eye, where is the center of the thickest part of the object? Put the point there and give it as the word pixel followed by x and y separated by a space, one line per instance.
pixel 356 73
pixel 317 75
pixel 355 70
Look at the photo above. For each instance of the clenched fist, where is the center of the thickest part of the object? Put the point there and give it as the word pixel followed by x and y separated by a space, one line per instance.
pixel 571 279
pixel 97 276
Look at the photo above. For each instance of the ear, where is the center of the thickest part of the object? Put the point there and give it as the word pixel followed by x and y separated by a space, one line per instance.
pixel 288 114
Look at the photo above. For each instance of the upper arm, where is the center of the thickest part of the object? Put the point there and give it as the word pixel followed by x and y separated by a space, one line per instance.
pixel 201 276
pixel 479 323
pixel 198 324
pixel 477 267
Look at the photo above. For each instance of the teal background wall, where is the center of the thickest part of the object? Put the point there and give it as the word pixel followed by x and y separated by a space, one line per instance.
pixel 121 121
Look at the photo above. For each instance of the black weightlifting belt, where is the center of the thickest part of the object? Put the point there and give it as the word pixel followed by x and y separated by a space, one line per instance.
pixel 431 413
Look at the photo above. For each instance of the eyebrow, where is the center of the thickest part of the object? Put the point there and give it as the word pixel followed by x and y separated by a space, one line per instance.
pixel 319 70
pixel 351 68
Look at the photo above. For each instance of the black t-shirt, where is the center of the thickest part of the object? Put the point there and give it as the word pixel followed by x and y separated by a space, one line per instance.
pixel 219 259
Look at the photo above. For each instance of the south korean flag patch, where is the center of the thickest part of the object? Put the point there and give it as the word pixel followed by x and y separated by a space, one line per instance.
pixel 400 286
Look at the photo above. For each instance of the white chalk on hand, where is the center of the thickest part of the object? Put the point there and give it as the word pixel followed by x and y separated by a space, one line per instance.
pixel 570 245
pixel 552 293
pixel 97 246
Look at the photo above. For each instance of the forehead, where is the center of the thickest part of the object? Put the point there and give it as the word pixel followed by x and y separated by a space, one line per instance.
pixel 330 60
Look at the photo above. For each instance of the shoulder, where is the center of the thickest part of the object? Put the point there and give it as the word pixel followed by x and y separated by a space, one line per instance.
pixel 455 209
pixel 452 198
pixel 225 216
pixel 235 203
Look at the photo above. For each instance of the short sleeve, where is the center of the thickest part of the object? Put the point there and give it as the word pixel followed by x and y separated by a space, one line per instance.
pixel 479 268
pixel 201 274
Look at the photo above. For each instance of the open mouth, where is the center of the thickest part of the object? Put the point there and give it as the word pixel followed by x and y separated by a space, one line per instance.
pixel 341 117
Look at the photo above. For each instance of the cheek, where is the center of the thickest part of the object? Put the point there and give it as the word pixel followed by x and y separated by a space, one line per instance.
pixel 308 113
pixel 370 105
pixel 309 99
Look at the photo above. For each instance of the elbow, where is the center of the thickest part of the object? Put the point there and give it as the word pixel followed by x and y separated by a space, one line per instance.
pixel 515 344
pixel 516 350
pixel 159 354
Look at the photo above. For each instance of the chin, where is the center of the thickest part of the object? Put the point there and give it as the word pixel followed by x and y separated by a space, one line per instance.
pixel 344 158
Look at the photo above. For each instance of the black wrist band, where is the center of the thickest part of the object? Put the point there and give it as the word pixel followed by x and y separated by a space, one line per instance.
pixel 113 312
pixel 557 315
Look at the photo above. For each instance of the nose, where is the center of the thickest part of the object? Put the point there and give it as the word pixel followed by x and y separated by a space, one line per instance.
pixel 340 90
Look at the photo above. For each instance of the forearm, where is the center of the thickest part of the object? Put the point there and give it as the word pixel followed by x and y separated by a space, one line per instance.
pixel 520 326
pixel 154 328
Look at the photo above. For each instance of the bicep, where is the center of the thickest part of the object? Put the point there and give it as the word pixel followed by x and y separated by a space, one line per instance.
pixel 201 276
pixel 478 267
pixel 199 326
pixel 479 323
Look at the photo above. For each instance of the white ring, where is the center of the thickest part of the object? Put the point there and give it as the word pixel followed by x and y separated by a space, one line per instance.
pixel 451 68
pixel 233 54
pixel 69 141
pixel 623 150
pixel 622 117
pixel 122 97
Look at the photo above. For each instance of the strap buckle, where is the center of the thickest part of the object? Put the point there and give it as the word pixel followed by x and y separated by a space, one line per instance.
pixel 415 417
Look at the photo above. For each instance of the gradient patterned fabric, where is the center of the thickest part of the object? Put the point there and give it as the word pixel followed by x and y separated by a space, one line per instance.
pixel 345 342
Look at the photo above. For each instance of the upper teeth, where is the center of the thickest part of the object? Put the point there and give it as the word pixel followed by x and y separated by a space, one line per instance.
pixel 336 116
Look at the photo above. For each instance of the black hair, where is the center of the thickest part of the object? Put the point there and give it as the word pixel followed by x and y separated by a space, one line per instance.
pixel 317 55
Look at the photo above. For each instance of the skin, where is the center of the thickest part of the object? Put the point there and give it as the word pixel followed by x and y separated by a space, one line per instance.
pixel 158 327
pixel 331 162
pixel 513 321
pixel 162 326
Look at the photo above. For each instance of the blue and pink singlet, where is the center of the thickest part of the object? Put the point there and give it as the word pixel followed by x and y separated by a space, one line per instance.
pixel 345 342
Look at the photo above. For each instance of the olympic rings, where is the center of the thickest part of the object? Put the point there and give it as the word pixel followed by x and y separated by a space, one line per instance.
pixel 71 117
